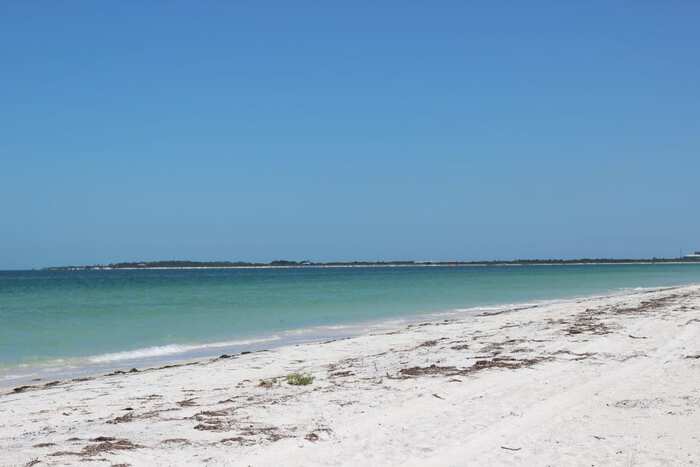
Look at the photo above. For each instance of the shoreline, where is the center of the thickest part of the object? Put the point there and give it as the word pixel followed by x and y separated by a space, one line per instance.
pixel 607 380
pixel 145 358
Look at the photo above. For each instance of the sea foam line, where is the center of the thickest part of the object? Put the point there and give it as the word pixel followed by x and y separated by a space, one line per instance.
pixel 171 349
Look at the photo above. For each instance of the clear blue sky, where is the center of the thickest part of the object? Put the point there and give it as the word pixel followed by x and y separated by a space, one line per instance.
pixel 374 130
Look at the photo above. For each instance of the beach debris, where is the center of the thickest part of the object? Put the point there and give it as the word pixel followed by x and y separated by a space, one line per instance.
pixel 419 325
pixel 508 363
pixel 166 367
pixel 186 402
pixel 122 372
pixel 650 305
pixel 439 397
pixel 344 403
pixel 271 433
pixel 314 435
pixel 430 370
pixel 109 446
pixel 588 323
pixel 213 421
pixel 625 357
pixel 176 441
pixel 211 413
pixel 510 449
pixel 238 439
pixel 44 445
pixel 636 337
pixel 576 355
pixel 149 397
pixel 122 419
pixel 267 383
pixel 638 403
pixel 430 343
pixel 496 348
pixel 105 446
pixel 495 362
pixel 211 425
pixel 131 416
pixel 508 310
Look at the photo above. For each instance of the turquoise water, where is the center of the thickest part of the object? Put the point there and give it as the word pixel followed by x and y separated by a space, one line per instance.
pixel 118 316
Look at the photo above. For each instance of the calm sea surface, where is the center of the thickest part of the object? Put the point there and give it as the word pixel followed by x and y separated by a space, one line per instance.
pixel 59 320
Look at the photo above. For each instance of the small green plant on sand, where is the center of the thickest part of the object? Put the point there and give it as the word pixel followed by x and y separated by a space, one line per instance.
pixel 298 379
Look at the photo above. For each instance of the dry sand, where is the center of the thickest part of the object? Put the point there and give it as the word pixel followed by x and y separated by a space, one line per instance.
pixel 598 381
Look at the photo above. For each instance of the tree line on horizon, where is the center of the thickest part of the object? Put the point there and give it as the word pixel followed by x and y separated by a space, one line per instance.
pixel 291 263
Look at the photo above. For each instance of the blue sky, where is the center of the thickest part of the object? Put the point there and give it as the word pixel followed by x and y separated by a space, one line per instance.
pixel 373 130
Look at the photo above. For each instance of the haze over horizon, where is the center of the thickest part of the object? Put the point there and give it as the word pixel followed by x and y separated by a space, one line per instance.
pixel 367 132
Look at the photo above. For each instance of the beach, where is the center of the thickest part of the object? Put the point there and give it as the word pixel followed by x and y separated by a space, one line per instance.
pixel 610 380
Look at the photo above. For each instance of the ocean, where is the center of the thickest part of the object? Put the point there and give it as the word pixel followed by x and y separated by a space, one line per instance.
pixel 54 323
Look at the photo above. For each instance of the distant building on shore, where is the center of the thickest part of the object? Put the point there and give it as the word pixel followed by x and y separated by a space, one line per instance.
pixel 695 255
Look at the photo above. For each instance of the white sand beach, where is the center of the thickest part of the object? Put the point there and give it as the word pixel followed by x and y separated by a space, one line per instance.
pixel 596 381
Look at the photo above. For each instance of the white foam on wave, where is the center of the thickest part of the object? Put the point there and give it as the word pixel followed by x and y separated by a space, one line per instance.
pixel 322 328
pixel 13 376
pixel 171 349
pixel 345 329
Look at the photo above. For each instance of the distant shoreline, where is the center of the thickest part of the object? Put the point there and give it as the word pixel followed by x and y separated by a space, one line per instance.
pixel 191 265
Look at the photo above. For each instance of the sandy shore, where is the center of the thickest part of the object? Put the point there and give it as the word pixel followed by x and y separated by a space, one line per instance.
pixel 601 381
